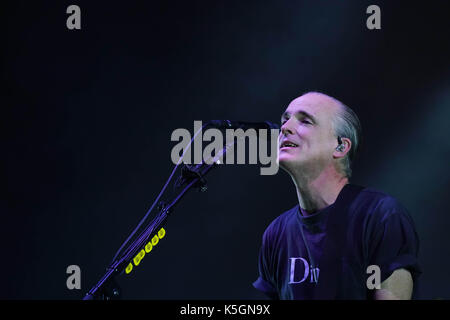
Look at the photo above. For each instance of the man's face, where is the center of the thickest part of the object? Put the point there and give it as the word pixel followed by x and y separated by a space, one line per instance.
pixel 307 139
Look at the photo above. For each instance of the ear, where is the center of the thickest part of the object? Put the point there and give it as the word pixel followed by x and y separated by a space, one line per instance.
pixel 340 153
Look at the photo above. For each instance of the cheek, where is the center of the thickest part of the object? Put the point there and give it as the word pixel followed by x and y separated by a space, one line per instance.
pixel 318 144
pixel 278 141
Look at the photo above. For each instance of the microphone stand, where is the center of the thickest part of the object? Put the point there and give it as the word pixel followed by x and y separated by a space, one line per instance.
pixel 192 176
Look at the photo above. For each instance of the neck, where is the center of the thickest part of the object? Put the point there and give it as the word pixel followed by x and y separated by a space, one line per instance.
pixel 319 192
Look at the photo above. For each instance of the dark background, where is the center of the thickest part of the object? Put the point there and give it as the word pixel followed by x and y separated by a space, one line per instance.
pixel 87 117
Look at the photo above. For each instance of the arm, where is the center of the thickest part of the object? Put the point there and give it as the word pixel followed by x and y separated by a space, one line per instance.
pixel 394 246
pixel 398 286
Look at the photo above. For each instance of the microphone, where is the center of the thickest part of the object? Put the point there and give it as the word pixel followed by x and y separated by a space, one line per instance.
pixel 231 124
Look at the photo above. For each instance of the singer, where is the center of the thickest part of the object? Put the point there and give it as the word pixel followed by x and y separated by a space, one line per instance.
pixel 324 247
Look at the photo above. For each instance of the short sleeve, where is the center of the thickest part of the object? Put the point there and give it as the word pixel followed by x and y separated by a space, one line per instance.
pixel 395 244
pixel 264 283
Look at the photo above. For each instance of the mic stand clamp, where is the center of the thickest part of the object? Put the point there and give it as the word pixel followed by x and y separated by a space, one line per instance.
pixel 191 172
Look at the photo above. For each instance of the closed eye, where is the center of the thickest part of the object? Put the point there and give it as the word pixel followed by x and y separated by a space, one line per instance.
pixel 303 121
pixel 302 116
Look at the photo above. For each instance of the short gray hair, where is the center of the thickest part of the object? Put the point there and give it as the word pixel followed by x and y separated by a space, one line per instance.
pixel 347 125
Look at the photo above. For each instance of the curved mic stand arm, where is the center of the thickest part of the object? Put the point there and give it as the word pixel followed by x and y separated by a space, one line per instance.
pixel 192 176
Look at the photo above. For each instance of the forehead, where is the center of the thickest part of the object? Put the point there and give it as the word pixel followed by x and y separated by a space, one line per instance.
pixel 320 106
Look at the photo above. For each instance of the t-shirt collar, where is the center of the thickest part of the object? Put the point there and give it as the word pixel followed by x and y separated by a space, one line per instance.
pixel 316 217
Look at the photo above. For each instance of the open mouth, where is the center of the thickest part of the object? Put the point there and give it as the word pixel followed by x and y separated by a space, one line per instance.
pixel 288 144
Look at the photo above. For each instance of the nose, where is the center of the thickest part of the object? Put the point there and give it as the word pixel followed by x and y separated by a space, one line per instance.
pixel 286 128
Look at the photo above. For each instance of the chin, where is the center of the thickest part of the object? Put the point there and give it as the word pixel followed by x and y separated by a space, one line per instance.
pixel 288 157
pixel 287 161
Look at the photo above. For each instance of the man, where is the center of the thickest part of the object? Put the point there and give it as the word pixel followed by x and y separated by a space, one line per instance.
pixel 340 238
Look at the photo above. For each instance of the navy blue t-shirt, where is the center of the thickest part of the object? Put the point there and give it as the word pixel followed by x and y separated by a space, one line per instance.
pixel 380 232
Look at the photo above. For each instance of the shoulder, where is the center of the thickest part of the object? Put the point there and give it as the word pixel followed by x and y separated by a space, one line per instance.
pixel 379 206
pixel 280 223
pixel 382 200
